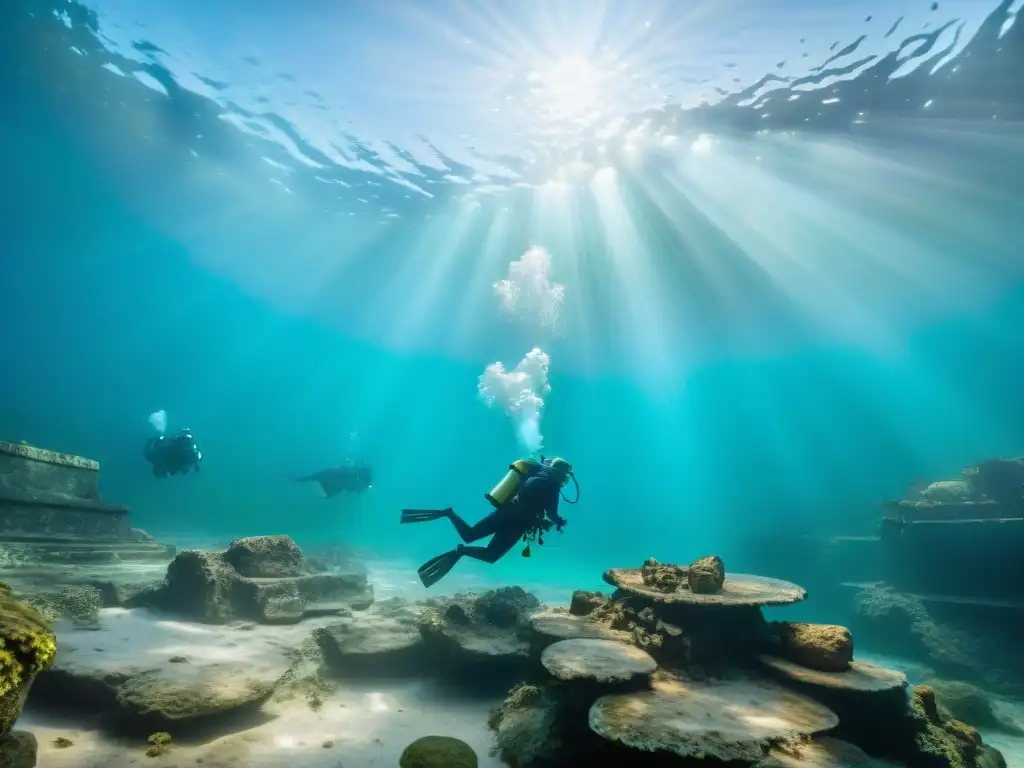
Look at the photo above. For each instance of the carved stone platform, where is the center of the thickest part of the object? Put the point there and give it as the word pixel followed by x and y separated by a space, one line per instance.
pixel 55 528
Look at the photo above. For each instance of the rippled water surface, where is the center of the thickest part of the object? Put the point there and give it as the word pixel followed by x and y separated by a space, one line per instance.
pixel 823 167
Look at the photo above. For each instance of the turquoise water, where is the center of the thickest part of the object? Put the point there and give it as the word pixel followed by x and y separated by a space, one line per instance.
pixel 284 226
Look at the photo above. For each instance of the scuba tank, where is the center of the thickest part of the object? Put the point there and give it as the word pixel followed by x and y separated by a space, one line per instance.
pixel 509 484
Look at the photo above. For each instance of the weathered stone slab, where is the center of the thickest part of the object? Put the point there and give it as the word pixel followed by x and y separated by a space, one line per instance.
pixel 27 468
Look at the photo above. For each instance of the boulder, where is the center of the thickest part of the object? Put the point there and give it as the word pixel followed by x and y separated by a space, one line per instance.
pixel 716 719
pixel 492 628
pixel 18 749
pixel 385 640
pixel 597 661
pixel 706 575
pixel 27 647
pixel 199 585
pixel 528 726
pixel 929 738
pixel 585 603
pixel 825 647
pixel 288 600
pixel 141 671
pixel 265 557
pixel 438 752
pixel 205 586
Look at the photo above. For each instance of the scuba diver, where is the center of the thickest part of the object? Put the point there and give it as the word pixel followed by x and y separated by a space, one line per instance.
pixel 525 507
pixel 352 476
pixel 173 455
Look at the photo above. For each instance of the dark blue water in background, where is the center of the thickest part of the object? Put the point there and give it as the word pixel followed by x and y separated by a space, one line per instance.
pixel 758 396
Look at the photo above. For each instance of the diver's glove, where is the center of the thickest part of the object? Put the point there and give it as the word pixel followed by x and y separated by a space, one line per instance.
pixel 560 524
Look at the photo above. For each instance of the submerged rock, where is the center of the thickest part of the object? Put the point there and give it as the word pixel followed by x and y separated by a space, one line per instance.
pixel 492 628
pixel 265 557
pixel 967 703
pixel 820 753
pixel 715 720
pixel 707 575
pixel 739 590
pixel 18 749
pixel 80 605
pixel 663 578
pixel 597 661
pixel 27 647
pixel 824 647
pixel 206 585
pixel 551 626
pixel 438 752
pixel 129 671
pixel 585 603
pixel 385 640
pixel 528 726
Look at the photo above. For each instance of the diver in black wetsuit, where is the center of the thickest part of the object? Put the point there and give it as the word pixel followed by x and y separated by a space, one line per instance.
pixel 532 511
pixel 173 455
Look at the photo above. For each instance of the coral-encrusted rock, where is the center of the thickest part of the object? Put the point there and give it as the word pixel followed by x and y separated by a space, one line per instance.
pixel 438 752
pixel 739 590
pixel 265 557
pixel 585 603
pixel 966 703
pixel 663 578
pixel 18 749
pixel 825 647
pixel 205 586
pixel 529 725
pixel 200 585
pixel 27 647
pixel 492 628
pixel 923 736
pixel 707 575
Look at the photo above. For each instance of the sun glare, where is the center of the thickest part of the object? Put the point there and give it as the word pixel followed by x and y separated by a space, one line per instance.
pixel 569 88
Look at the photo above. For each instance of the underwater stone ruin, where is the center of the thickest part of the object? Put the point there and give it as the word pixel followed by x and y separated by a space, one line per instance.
pixel 56 531
pixel 678 666
pixel 941 583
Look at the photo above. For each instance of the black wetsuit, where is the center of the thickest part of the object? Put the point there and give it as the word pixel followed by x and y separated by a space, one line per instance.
pixel 173 455
pixel 537 498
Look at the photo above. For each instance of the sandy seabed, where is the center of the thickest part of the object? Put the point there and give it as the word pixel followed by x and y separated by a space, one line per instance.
pixel 362 724
pixel 359 726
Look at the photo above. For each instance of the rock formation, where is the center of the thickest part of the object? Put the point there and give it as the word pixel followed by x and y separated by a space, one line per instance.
pixel 270 588
pixel 27 648
pixel 777 695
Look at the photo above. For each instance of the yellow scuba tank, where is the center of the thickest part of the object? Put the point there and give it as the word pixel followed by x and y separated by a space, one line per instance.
pixel 509 485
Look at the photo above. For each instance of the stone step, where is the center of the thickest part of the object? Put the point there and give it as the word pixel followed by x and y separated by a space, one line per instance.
pixel 978 602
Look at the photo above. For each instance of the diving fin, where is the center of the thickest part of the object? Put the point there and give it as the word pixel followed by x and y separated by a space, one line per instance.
pixel 436 569
pixel 424 515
